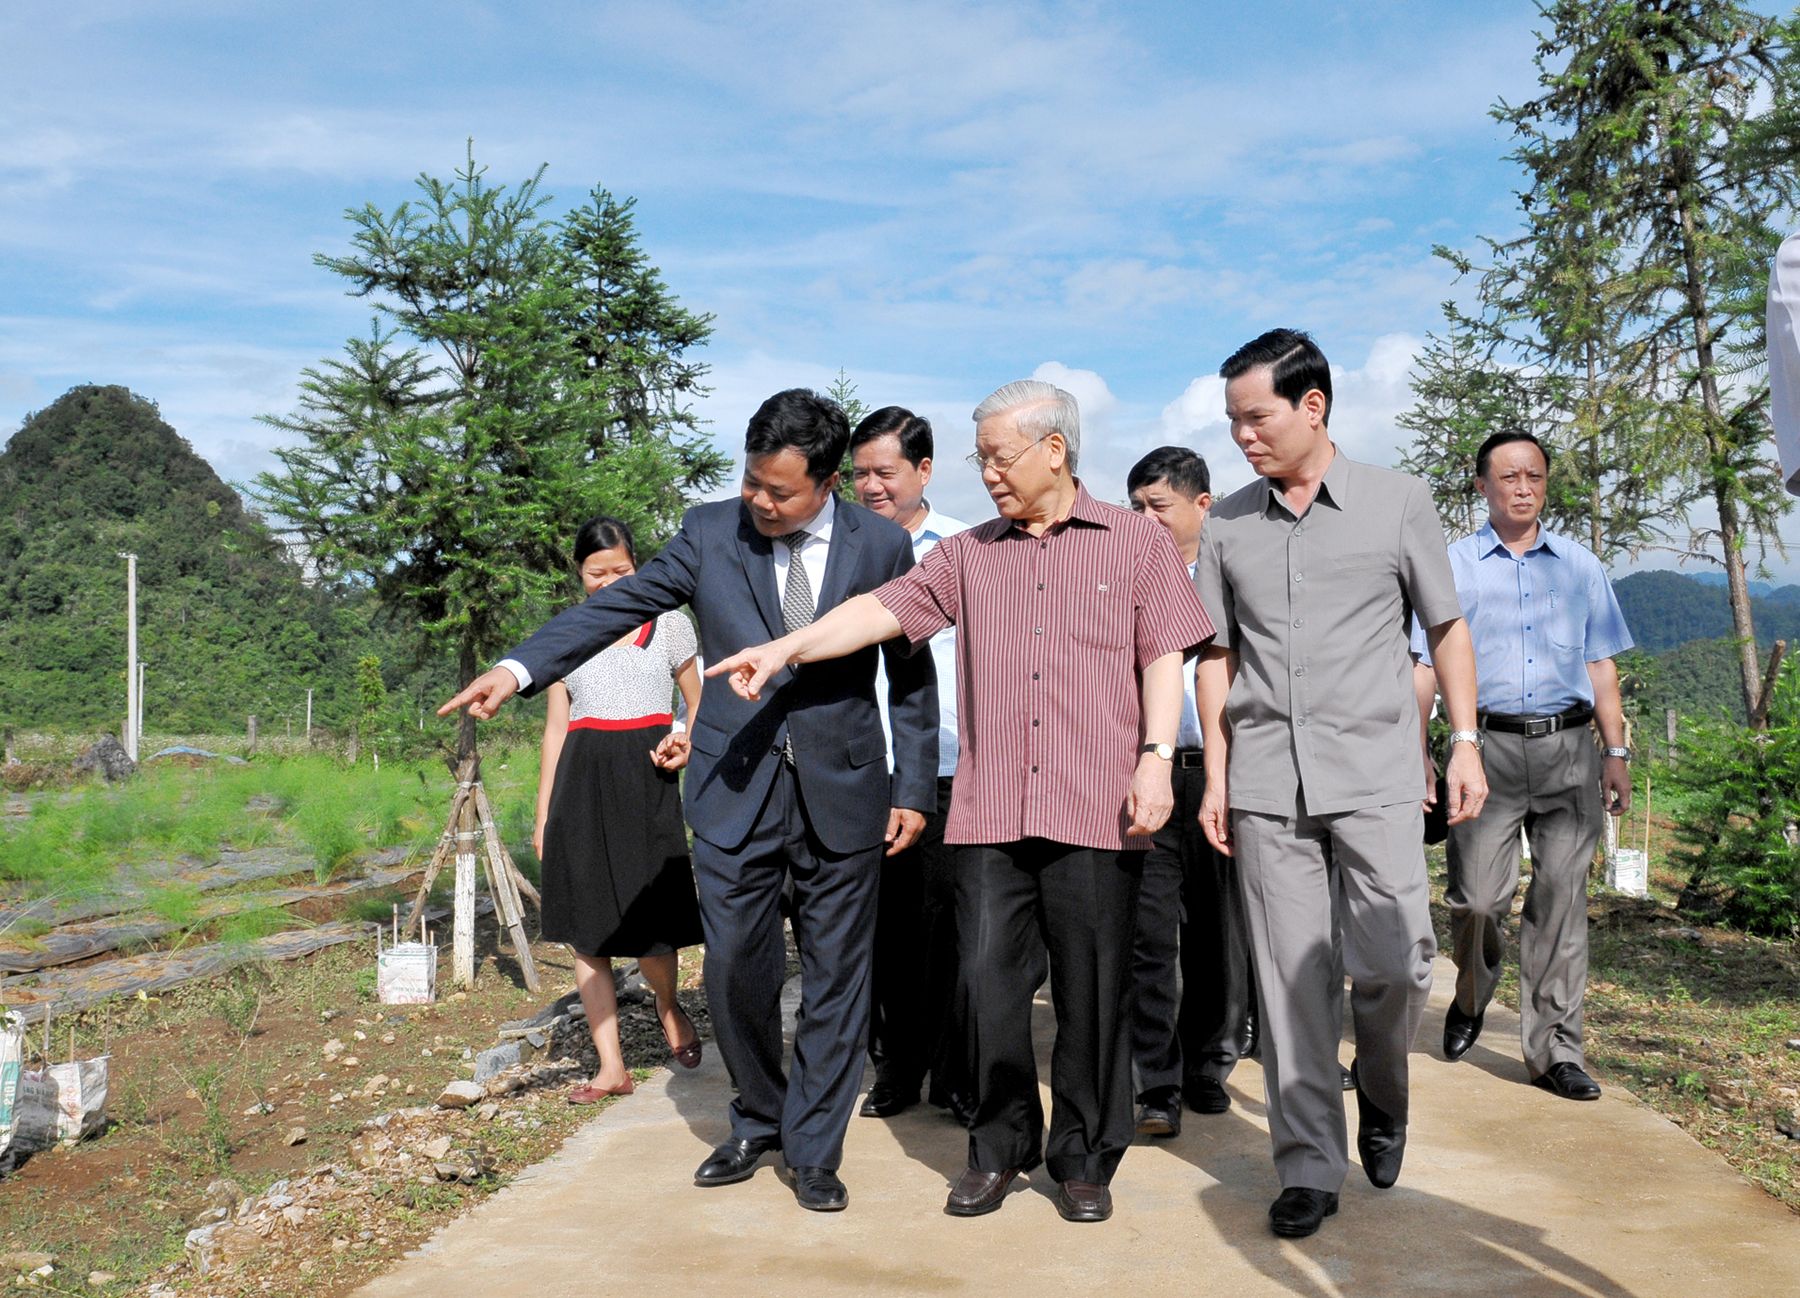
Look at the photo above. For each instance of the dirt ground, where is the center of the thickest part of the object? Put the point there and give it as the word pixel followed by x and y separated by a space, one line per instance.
pixel 1700 1022
pixel 212 1083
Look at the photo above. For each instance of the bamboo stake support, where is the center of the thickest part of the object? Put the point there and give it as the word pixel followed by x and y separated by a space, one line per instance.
pixel 520 884
pixel 446 848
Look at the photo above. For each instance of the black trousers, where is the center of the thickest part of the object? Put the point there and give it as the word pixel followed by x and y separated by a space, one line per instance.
pixel 746 961
pixel 916 1022
pixel 1022 908
pixel 1191 918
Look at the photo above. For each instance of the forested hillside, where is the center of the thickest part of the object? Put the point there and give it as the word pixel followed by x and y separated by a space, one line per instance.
pixel 226 624
pixel 1666 610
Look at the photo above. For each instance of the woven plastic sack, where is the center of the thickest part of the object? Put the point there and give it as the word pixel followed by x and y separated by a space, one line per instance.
pixel 80 1097
pixel 406 974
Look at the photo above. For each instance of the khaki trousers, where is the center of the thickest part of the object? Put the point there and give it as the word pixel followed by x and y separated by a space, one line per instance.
pixel 1328 896
pixel 1550 787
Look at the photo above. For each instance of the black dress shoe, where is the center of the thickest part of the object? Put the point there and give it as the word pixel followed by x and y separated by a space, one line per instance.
pixel 1569 1081
pixel 1300 1211
pixel 977 1193
pixel 1159 1117
pixel 1249 1041
pixel 1380 1142
pixel 735 1161
pixel 1084 1201
pixel 885 1099
pixel 1204 1095
pixel 819 1190
pixel 1460 1031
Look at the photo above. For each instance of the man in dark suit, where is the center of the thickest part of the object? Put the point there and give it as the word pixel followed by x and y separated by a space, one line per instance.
pixel 794 785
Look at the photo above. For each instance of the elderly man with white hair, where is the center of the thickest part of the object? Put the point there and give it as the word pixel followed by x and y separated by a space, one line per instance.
pixel 1072 620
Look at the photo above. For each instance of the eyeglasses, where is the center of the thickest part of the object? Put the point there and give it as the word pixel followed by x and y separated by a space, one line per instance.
pixel 999 463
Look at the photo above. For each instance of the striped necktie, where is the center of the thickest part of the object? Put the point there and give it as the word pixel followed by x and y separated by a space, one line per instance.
pixel 796 605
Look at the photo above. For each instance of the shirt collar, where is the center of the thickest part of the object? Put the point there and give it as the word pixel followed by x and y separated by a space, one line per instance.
pixel 1085 510
pixel 1488 541
pixel 1334 489
pixel 819 528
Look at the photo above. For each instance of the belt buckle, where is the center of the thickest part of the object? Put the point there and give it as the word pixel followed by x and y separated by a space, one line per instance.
pixel 1191 757
pixel 1538 727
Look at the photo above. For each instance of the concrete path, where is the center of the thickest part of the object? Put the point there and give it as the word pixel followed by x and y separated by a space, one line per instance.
pixel 1506 1190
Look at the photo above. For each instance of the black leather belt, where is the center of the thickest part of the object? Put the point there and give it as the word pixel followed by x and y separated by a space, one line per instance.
pixel 1537 727
pixel 1188 758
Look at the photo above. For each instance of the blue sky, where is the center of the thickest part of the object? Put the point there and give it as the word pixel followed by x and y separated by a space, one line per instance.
pixel 935 197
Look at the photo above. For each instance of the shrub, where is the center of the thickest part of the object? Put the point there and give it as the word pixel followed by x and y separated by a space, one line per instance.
pixel 1738 823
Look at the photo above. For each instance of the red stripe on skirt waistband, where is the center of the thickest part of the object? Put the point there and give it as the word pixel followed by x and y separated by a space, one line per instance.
pixel 626 723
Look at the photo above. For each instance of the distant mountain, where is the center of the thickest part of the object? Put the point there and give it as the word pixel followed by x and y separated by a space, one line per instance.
pixel 226 625
pixel 1666 610
pixel 1763 589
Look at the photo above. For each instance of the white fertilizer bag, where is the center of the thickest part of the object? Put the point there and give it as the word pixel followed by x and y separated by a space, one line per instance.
pixel 80 1097
pixel 1627 871
pixel 406 974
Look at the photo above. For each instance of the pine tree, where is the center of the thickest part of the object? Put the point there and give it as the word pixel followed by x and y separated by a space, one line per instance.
pixel 452 486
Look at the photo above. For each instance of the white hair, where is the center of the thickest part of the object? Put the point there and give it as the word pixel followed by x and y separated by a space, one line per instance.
pixel 1043 409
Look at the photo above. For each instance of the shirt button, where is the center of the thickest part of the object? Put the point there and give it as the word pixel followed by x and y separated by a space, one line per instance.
pixel 1039 631
pixel 1301 721
pixel 1299 671
pixel 1034 676
pixel 1299 576
pixel 1040 585
pixel 1043 545
pixel 1034 770
pixel 1034 721
pixel 1299 621
pixel 1298 530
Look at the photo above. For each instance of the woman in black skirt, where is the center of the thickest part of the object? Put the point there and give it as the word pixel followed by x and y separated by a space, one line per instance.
pixel 617 880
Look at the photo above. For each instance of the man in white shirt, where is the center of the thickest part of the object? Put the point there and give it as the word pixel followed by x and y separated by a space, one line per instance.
pixel 1784 358
pixel 916 1024
pixel 1190 914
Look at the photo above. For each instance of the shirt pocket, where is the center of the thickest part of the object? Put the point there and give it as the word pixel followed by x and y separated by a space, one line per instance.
pixel 1098 614
pixel 1362 560
pixel 1567 620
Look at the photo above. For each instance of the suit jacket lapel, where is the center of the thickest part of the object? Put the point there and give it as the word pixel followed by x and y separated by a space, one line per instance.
pixel 840 559
pixel 759 567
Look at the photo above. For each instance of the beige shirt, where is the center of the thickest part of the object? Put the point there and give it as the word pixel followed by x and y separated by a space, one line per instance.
pixel 1318 608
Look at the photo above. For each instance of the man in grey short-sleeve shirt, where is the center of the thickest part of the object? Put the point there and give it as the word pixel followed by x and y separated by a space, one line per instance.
pixel 1315 779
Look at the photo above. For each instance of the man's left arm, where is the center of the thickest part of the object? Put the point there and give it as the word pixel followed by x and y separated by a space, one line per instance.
pixel 1430 587
pixel 913 725
pixel 1609 715
pixel 1152 795
pixel 1171 623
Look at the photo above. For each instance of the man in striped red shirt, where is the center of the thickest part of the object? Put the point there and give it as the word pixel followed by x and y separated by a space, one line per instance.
pixel 1072 619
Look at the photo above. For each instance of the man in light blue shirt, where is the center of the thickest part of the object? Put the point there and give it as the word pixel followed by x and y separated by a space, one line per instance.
pixel 1187 1034
pixel 916 1020
pixel 1546 627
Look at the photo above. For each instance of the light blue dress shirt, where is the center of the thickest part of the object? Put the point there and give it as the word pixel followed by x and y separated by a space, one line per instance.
pixel 1537 620
pixel 1189 735
pixel 943 653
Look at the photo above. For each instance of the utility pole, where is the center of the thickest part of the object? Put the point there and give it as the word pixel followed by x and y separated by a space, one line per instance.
pixel 309 716
pixel 132 717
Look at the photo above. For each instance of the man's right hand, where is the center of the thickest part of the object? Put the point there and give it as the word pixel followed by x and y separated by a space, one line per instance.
pixel 1215 816
pixel 484 695
pixel 750 669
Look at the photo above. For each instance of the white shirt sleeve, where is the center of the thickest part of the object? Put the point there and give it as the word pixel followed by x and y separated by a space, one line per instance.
pixel 517 668
pixel 1784 358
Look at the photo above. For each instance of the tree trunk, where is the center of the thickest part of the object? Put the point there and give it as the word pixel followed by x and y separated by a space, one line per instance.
pixel 467 669
pixel 1743 629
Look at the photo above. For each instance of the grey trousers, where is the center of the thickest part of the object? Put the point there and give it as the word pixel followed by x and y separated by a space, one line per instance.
pixel 1551 787
pixel 1307 880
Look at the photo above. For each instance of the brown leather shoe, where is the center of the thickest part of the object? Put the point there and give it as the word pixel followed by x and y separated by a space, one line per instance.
pixel 1084 1201
pixel 977 1193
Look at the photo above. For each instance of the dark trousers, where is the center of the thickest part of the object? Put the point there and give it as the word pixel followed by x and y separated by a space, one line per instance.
pixel 916 1020
pixel 1021 908
pixel 1191 918
pixel 746 961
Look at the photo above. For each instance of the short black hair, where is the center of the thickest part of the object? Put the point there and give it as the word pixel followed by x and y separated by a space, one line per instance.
pixel 604 533
pixel 913 432
pixel 806 421
pixel 1496 440
pixel 1296 365
pixel 1182 469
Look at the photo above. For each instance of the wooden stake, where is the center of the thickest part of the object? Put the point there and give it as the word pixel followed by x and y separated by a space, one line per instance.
pixel 1759 716
pixel 519 881
pixel 446 847
pixel 506 897
pixel 462 935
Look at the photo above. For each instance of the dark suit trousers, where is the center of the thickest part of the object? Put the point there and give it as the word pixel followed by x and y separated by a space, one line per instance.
pixel 1021 908
pixel 1191 917
pixel 746 961
pixel 916 1023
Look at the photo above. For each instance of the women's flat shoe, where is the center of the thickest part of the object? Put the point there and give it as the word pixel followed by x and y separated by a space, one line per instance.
pixel 591 1094
pixel 687 1056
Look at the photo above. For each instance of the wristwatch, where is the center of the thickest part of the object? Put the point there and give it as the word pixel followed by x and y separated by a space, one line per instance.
pixel 1623 754
pixel 1164 751
pixel 1466 737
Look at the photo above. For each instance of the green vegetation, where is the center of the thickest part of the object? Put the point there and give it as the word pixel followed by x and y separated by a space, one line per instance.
pixel 1666 610
pixel 534 376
